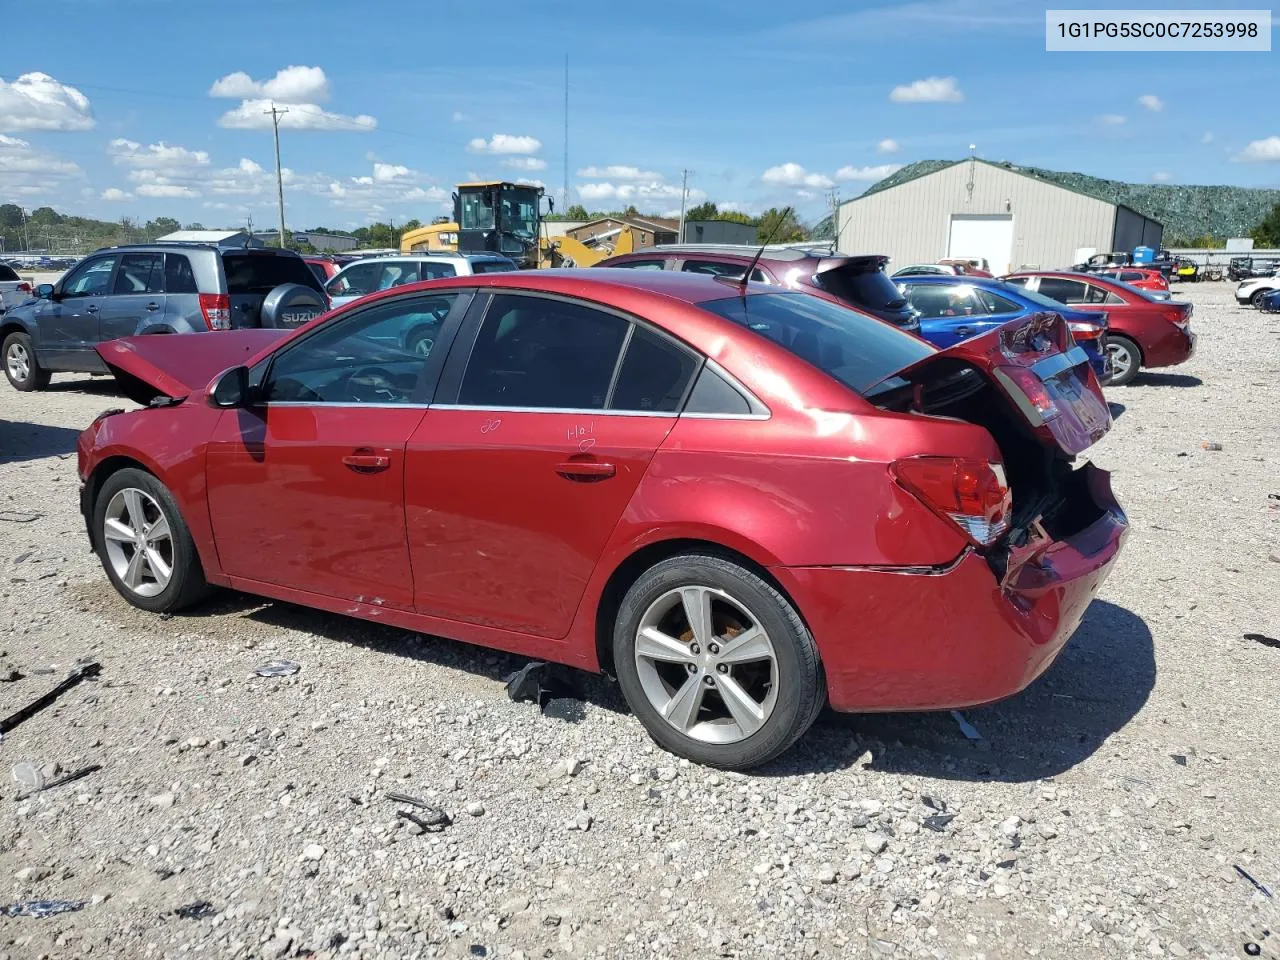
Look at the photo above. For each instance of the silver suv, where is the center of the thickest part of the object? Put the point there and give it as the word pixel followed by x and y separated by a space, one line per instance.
pixel 367 276
pixel 152 288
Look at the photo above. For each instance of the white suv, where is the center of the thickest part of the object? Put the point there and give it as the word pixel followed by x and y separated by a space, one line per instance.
pixel 1252 291
pixel 363 277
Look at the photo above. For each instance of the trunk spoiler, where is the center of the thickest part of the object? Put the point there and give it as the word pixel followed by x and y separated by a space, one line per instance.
pixel 171 367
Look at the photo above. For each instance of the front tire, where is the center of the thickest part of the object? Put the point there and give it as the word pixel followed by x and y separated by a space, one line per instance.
pixel 1256 299
pixel 1126 360
pixel 144 543
pixel 20 364
pixel 716 663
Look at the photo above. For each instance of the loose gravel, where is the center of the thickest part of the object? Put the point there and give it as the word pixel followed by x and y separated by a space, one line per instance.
pixel 1117 808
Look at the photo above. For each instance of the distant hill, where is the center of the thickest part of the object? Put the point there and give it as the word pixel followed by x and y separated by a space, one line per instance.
pixel 1187 211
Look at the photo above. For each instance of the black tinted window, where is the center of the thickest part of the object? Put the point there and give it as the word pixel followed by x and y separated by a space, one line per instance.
pixel 140 273
pixel 862 288
pixel 718 269
pixel 436 271
pixel 7 274
pixel 355 281
pixel 536 352
pixel 654 376
pixel 996 303
pixel 178 277
pixel 1062 290
pixel 714 394
pixel 857 350
pixel 262 273
pixel 485 266
pixel 637 265
pixel 318 270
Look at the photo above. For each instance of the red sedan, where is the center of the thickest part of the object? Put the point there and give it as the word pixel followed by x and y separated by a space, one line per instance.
pixel 1139 277
pixel 742 502
pixel 1142 331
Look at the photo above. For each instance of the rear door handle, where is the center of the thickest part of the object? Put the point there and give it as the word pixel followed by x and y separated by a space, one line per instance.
pixel 366 462
pixel 153 306
pixel 91 308
pixel 586 471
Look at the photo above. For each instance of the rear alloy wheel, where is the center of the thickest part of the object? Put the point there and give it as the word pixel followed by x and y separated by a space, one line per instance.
pixel 716 663
pixel 145 545
pixel 20 363
pixel 1126 359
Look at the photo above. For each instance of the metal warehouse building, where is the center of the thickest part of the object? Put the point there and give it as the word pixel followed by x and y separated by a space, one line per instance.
pixel 1015 217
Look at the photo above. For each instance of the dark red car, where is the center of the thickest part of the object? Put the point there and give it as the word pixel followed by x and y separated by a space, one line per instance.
pixel 325 268
pixel 1140 277
pixel 1142 330
pixel 744 503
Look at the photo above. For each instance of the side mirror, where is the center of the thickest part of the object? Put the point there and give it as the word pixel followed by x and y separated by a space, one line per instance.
pixel 44 291
pixel 231 390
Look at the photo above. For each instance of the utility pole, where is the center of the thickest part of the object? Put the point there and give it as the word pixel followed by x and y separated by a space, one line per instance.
pixel 276 114
pixel 26 228
pixel 834 198
pixel 565 195
pixel 684 194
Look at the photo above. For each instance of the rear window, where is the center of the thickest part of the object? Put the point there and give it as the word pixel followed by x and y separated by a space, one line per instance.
pixel 318 270
pixel 7 275
pixel 262 273
pixel 862 288
pixel 857 350
pixel 492 266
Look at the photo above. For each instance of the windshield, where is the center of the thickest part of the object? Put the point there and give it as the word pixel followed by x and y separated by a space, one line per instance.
pixel 852 347
pixel 520 212
pixel 477 210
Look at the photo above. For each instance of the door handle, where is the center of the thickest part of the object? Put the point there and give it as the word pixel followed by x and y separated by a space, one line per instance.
pixel 369 462
pixel 153 306
pixel 91 308
pixel 964 331
pixel 586 471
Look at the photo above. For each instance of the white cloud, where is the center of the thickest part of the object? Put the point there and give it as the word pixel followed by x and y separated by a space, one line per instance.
pixel 36 101
pixel 460 117
pixel 525 163
pixel 794 175
pixel 504 143
pixel 647 192
pixel 389 186
pixel 1113 119
pixel 805 194
pixel 387 172
pixel 301 85
pixel 160 157
pixel 256 115
pixel 1207 137
pixel 26 171
pixel 928 90
pixel 1261 151
pixel 887 145
pixel 115 193
pixel 618 172
pixel 530 183
pixel 1151 102
pixel 878 172
pixel 166 190
pixel 1161 177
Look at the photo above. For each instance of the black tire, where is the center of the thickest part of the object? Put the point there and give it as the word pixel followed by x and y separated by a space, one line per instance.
pixel 801 692
pixel 186 584
pixel 424 335
pixel 1121 343
pixel 1256 299
pixel 37 377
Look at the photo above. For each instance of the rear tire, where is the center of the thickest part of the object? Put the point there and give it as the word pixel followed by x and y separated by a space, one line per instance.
pixel 144 544
pixel 734 692
pixel 1126 359
pixel 21 366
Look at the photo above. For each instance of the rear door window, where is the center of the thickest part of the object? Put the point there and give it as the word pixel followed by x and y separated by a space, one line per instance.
pixel 262 273
pixel 1063 290
pixel 482 266
pixel 996 303
pixel 140 273
pixel 397 273
pixel 654 376
pixel 934 301
pixel 436 271
pixel 178 276
pixel 854 348
pixel 717 268
pixel 355 281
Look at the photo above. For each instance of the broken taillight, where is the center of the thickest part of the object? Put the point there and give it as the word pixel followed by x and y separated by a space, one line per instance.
pixel 216 308
pixel 1036 391
pixel 972 494
pixel 23 287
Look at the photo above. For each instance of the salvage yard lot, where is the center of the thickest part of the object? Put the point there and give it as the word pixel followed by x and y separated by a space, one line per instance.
pixel 1103 812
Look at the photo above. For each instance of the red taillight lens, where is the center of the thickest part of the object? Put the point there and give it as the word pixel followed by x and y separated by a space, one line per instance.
pixel 216 308
pixel 1085 331
pixel 1035 390
pixel 972 494
pixel 23 287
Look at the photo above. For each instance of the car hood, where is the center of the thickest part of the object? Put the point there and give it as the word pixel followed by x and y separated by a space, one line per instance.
pixel 177 365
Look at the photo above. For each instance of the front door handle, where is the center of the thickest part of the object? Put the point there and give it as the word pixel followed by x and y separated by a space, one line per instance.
pixel 366 461
pixel 91 308
pixel 964 331
pixel 586 471
pixel 153 307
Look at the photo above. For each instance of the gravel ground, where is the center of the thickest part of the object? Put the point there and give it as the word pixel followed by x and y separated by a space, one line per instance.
pixel 1103 813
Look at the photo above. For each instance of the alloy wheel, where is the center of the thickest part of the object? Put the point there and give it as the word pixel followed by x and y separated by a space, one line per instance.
pixel 1121 360
pixel 18 361
pixel 706 664
pixel 138 542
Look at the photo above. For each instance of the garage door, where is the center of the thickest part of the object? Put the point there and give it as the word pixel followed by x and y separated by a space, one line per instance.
pixel 983 236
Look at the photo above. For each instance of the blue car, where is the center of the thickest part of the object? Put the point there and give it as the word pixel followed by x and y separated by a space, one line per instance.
pixel 953 309
pixel 1270 302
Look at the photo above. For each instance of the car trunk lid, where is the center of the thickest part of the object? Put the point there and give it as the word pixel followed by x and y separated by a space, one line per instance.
pixel 173 367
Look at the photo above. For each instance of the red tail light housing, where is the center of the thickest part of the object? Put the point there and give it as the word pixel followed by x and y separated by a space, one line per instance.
pixel 971 494
pixel 216 308
pixel 23 287
pixel 1081 330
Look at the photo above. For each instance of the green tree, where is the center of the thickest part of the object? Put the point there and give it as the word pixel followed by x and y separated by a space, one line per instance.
pixel 631 211
pixel 162 225
pixel 10 216
pixel 734 216
pixel 1267 233
pixel 703 211
pixel 46 216
pixel 577 212
pixel 195 225
pixel 779 226
pixel 413 224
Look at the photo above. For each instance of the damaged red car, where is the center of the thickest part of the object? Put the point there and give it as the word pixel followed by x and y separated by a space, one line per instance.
pixel 744 503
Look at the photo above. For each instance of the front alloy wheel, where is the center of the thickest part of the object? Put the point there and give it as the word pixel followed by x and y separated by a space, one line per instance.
pixel 139 545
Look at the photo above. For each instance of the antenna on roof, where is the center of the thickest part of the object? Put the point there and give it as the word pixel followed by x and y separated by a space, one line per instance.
pixel 777 225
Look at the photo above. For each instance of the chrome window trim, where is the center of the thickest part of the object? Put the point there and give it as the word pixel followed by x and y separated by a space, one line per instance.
pixel 348 404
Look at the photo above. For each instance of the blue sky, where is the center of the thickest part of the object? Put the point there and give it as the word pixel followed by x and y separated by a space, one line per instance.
pixel 155 107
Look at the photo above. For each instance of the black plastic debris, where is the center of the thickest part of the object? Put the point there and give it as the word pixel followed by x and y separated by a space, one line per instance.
pixel 938 822
pixel 546 684
pixel 1179 758
pixel 934 803
pixel 199 910
pixel 16 516
pixel 968 729
pixel 1252 949
pixel 433 819
pixel 1259 887
pixel 42 908
pixel 1263 639
pixel 81 670
pixel 278 668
